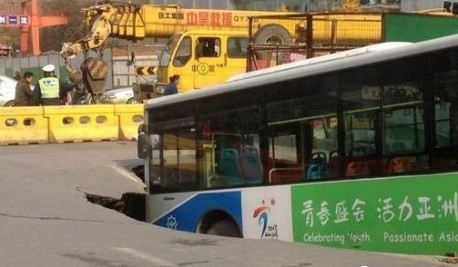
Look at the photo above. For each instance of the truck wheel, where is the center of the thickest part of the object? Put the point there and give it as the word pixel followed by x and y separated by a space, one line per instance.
pixel 272 34
pixel 224 228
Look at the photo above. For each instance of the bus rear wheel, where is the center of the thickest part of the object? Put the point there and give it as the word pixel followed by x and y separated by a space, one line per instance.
pixel 224 228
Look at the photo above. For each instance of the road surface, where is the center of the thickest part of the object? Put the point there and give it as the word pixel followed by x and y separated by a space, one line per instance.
pixel 45 219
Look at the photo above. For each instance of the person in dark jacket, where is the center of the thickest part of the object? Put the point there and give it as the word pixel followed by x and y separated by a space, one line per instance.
pixel 24 91
pixel 50 90
pixel 172 87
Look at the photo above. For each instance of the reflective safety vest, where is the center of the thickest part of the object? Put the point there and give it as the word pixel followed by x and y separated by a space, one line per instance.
pixel 49 87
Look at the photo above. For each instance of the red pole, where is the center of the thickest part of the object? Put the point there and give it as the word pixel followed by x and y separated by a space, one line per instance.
pixel 25 31
pixel 36 22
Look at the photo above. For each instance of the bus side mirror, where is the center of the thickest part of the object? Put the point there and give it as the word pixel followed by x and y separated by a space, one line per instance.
pixel 142 146
pixel 199 50
pixel 142 142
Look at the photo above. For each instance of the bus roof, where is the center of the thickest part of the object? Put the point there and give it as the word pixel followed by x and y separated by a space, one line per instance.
pixel 325 64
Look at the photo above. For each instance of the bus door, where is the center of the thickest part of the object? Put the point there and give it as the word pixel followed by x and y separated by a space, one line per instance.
pixel 208 63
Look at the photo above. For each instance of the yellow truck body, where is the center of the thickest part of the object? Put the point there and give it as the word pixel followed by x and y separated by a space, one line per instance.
pixel 203 58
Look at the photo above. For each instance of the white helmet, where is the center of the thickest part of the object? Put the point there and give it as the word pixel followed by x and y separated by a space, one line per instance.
pixel 48 68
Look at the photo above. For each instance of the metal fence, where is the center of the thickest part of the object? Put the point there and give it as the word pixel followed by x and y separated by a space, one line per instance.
pixel 280 39
pixel 124 75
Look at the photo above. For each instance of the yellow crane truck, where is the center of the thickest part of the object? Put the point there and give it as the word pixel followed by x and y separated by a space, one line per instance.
pixel 136 22
pixel 205 46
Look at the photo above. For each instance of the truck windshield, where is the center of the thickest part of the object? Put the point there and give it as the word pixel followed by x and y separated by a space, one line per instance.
pixel 164 59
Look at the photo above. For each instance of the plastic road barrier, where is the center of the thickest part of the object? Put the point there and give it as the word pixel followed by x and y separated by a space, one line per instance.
pixel 23 125
pixel 130 117
pixel 83 123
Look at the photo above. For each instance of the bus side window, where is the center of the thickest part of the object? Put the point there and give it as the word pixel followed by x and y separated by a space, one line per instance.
pixel 227 156
pixel 284 164
pixel 445 104
pixel 251 164
pixel 179 160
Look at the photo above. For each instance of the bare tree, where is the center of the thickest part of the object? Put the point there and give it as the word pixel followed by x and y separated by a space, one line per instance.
pixel 9 36
pixel 52 38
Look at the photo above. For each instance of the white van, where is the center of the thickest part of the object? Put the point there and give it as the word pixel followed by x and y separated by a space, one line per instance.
pixel 7 91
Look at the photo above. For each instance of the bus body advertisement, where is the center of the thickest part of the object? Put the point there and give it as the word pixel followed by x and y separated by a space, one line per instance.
pixel 353 150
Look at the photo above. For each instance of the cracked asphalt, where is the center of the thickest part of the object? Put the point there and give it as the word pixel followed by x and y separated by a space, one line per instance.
pixel 45 219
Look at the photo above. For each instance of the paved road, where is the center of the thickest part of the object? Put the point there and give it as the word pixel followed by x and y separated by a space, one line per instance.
pixel 45 219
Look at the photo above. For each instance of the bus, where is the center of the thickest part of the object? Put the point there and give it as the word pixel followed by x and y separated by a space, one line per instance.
pixel 353 150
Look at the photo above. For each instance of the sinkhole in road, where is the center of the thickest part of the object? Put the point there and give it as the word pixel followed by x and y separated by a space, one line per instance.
pixel 131 204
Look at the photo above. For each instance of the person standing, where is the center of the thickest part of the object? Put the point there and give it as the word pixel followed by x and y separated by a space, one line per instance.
pixel 17 75
pixel 24 91
pixel 50 90
pixel 172 87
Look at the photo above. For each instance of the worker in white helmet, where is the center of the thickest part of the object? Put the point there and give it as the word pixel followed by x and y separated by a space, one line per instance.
pixel 50 90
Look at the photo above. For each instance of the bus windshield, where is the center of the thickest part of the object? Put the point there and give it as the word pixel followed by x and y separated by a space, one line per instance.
pixel 164 58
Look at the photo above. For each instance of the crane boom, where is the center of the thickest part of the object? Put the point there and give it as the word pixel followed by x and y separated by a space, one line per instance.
pixel 99 19
pixel 136 22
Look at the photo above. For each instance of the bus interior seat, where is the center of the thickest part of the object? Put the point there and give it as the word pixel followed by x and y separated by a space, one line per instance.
pixel 251 165
pixel 317 171
pixel 229 164
pixel 319 157
pixel 399 165
pixel 359 168
pixel 318 168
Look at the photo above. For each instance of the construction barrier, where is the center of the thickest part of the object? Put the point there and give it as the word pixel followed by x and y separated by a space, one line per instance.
pixel 129 118
pixel 81 123
pixel 23 125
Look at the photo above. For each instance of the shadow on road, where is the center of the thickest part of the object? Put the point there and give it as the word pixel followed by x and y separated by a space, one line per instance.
pixel 131 204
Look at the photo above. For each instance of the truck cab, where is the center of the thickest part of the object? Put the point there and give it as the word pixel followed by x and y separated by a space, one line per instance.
pixel 202 58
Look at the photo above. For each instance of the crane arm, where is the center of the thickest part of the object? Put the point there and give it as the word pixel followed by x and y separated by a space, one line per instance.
pixel 99 17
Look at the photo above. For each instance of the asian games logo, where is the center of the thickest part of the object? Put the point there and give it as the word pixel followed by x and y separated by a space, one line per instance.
pixel 262 214
pixel 171 222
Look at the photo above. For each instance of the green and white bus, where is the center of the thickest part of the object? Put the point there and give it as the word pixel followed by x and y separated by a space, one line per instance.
pixel 357 149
